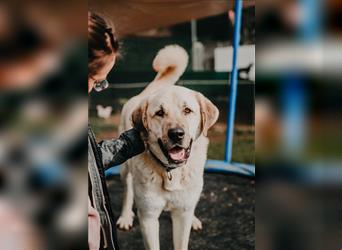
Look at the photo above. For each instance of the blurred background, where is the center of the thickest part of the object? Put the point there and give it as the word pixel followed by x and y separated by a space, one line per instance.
pixel 298 121
pixel 205 30
pixel 43 114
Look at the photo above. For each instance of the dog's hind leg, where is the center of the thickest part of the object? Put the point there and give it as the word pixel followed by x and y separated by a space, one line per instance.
pixel 196 224
pixel 125 221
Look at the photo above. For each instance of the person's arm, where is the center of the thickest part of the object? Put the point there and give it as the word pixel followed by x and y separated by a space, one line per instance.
pixel 117 151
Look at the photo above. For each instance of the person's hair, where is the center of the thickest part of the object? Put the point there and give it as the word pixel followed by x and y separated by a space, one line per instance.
pixel 101 41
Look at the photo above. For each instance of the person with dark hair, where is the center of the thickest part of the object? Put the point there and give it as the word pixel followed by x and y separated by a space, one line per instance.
pixel 102 51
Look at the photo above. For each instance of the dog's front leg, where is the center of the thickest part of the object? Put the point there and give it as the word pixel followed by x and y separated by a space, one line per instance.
pixel 149 226
pixel 125 220
pixel 181 227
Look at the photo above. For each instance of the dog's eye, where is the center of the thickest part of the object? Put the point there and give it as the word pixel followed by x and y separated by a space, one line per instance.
pixel 187 111
pixel 160 113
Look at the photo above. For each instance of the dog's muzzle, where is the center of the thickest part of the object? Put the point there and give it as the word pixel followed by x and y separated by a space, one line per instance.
pixel 177 154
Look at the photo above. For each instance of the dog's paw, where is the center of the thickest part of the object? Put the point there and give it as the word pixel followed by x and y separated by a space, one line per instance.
pixel 196 224
pixel 125 221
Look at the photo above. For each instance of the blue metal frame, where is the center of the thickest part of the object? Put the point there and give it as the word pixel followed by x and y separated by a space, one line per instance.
pixel 217 166
pixel 311 25
pixel 294 109
pixel 233 83
pixel 293 89
pixel 226 166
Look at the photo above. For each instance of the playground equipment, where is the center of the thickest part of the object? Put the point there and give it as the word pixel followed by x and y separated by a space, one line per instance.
pixel 228 165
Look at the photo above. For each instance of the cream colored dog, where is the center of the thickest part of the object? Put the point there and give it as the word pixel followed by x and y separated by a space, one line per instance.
pixel 169 174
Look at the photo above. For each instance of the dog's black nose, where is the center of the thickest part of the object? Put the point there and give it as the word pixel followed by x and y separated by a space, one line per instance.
pixel 176 134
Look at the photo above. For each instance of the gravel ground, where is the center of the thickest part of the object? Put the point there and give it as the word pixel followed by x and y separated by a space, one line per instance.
pixel 226 209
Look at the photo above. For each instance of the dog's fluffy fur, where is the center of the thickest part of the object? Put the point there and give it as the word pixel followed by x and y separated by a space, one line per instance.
pixel 145 178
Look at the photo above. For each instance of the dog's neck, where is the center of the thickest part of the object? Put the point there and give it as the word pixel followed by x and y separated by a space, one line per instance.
pixel 175 182
pixel 180 175
pixel 171 176
pixel 168 168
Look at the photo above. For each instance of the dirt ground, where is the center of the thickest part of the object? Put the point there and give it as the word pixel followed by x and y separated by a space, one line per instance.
pixel 226 209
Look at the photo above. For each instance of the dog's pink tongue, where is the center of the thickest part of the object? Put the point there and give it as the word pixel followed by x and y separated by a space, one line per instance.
pixel 177 154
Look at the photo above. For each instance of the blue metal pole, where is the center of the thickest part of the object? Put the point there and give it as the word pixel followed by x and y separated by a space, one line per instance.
pixel 311 25
pixel 294 112
pixel 294 89
pixel 233 82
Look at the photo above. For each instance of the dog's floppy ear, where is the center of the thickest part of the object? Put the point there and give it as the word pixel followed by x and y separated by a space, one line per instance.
pixel 209 113
pixel 139 117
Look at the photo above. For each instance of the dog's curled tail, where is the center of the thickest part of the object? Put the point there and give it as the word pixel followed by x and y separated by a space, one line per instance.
pixel 170 63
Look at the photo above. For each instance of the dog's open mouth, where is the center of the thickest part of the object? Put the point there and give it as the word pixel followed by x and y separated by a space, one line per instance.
pixel 176 154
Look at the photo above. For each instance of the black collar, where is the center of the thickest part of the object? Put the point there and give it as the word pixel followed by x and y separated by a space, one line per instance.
pixel 167 167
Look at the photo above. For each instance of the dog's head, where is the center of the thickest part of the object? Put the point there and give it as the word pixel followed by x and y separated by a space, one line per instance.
pixel 172 119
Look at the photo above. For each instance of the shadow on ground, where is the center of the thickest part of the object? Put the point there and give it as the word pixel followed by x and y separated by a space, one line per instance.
pixel 226 209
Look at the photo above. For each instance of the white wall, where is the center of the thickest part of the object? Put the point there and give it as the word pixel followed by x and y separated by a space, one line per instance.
pixel 223 58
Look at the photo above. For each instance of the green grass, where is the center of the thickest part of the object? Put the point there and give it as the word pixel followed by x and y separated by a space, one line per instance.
pixel 243 146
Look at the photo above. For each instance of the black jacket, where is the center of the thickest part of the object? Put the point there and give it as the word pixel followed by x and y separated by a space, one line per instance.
pixel 101 156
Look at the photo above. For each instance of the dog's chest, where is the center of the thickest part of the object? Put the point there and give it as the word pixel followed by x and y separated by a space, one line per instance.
pixel 184 200
pixel 180 192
